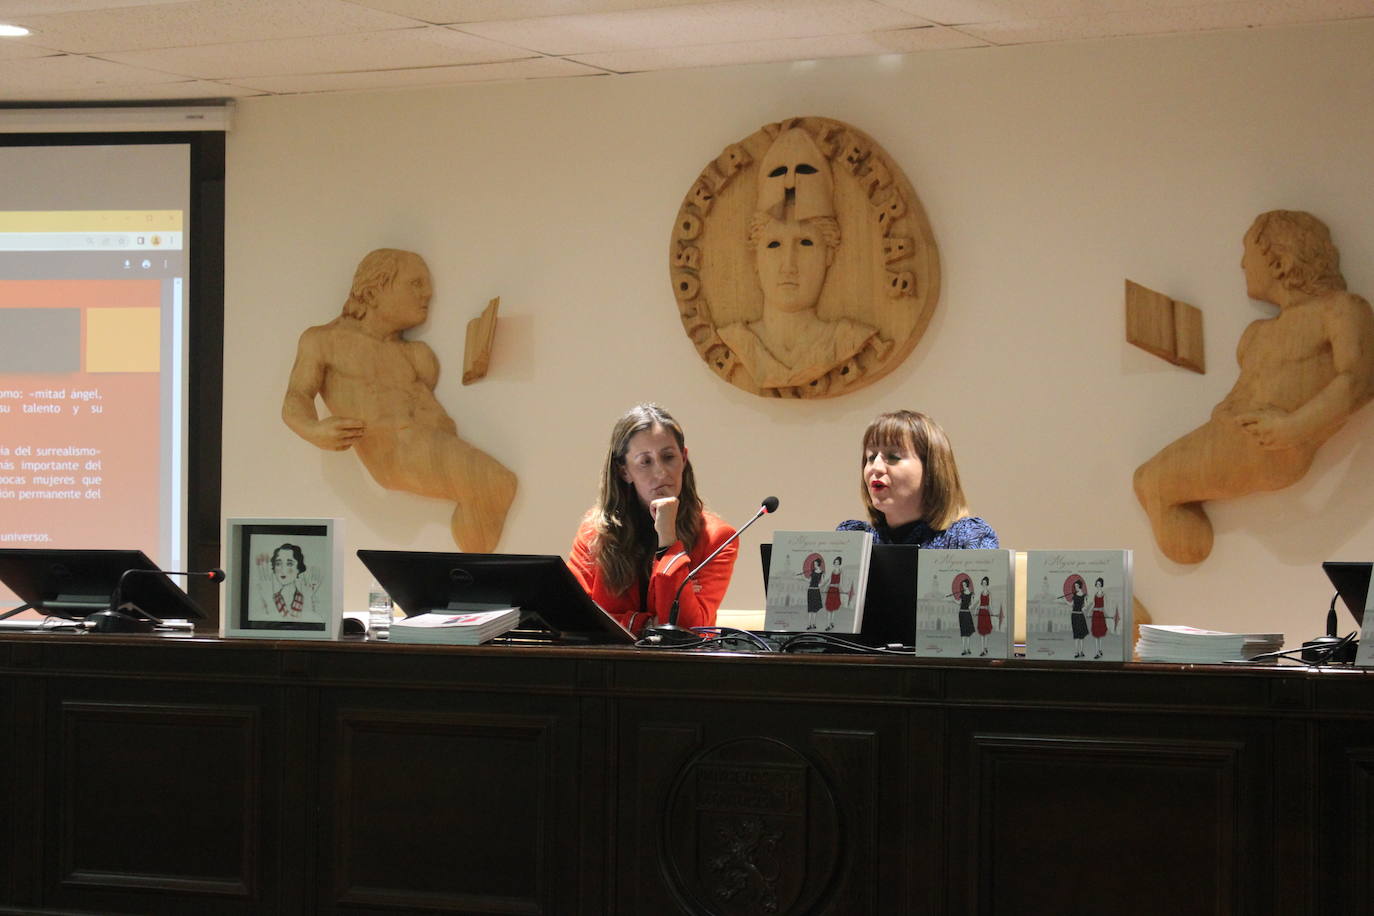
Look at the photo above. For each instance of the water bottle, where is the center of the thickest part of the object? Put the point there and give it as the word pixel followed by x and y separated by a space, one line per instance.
pixel 378 612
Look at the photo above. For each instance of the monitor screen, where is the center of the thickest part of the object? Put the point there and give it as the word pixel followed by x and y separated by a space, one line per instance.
pixel 76 583
pixel 543 587
pixel 1352 584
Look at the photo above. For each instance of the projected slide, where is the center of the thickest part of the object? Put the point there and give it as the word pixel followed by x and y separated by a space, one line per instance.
pixel 92 381
pixel 79 412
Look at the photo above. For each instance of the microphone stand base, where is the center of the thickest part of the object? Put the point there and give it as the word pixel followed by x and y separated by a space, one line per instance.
pixel 671 635
pixel 1329 650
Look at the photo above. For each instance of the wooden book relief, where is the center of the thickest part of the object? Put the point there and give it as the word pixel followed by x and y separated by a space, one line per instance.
pixel 1169 329
pixel 481 333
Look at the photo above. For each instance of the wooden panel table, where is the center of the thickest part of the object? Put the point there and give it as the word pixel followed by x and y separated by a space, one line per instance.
pixel 152 775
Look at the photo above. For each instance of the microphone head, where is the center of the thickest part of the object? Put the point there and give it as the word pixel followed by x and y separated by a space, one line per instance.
pixel 770 504
pixel 215 575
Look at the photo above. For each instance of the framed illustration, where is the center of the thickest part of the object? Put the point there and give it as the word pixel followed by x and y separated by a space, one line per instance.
pixel 284 578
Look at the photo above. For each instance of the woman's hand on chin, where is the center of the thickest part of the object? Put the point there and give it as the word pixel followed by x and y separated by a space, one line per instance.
pixel 664 513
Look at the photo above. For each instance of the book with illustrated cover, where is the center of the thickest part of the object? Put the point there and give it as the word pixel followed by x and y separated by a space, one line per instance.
pixel 816 581
pixel 455 628
pixel 1364 655
pixel 965 604
pixel 1078 605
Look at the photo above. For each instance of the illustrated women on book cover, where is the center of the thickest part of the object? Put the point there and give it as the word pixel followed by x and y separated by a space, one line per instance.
pixel 966 608
pixel 1080 607
pixel 813 580
pixel 813 572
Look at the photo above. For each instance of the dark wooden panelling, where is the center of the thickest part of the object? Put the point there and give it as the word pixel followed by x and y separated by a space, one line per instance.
pixel 1102 810
pixel 158 796
pixel 132 812
pixel 1360 829
pixel 463 809
pixel 244 777
pixel 8 766
pixel 1344 791
pixel 1049 809
pixel 851 759
pixel 460 830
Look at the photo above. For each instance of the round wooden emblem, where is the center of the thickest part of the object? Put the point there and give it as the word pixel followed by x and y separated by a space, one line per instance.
pixel 802 261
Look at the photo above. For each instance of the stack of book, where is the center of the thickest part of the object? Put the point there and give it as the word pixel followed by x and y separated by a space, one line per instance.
pixel 455 628
pixel 1159 643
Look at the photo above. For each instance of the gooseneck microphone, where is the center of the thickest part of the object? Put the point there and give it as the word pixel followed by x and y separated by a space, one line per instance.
pixel 115 620
pixel 670 634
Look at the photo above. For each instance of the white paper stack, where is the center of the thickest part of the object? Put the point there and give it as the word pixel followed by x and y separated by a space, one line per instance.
pixel 455 628
pixel 1160 643
pixel 1261 643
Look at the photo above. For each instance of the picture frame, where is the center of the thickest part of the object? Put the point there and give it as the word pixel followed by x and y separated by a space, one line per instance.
pixel 284 578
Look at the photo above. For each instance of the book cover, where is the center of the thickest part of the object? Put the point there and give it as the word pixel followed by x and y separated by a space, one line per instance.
pixel 1078 605
pixel 816 581
pixel 1364 655
pixel 965 604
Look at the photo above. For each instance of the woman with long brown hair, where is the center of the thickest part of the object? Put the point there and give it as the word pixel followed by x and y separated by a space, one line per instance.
pixel 648 529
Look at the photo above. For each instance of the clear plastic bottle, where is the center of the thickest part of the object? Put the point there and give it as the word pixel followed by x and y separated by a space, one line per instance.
pixel 379 611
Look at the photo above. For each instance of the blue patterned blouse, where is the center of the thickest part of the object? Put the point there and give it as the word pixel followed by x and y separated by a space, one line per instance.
pixel 966 533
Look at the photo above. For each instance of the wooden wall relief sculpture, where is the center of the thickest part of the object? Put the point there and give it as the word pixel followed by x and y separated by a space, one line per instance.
pixel 802 262
pixel 1169 329
pixel 379 390
pixel 1302 374
pixel 477 345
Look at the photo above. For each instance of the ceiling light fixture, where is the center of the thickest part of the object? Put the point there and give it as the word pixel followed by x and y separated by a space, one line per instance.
pixel 12 31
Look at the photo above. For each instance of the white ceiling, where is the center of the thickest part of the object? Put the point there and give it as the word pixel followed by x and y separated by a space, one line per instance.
pixel 123 50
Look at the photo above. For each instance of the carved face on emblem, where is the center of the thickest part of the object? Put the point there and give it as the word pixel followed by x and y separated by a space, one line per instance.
pixel 792 257
pixel 801 261
pixel 794 178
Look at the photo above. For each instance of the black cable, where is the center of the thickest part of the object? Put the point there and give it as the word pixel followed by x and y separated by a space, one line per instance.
pixel 1326 652
pixel 804 641
pixel 725 635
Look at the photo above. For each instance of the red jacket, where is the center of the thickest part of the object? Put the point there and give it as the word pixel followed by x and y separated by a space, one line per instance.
pixel 700 600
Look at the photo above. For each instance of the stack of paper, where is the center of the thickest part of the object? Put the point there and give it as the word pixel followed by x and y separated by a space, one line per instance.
pixel 1159 643
pixel 1261 643
pixel 462 628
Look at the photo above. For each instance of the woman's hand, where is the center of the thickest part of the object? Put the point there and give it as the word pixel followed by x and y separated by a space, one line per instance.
pixel 262 580
pixel 664 513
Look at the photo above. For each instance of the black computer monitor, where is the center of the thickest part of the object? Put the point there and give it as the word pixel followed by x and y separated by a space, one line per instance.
pixel 889 598
pixel 77 583
pixel 548 595
pixel 1352 584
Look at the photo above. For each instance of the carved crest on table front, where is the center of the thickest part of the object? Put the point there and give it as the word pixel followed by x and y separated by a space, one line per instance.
pixel 752 830
pixel 802 262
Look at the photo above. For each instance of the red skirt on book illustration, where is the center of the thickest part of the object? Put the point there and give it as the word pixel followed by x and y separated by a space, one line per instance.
pixel 832 594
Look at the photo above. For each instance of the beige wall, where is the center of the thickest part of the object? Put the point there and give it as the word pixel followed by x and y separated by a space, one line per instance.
pixel 1049 173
